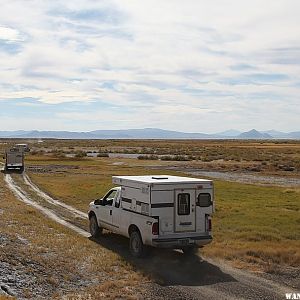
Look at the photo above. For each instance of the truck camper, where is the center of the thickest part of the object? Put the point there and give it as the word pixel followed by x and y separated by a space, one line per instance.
pixel 14 159
pixel 158 210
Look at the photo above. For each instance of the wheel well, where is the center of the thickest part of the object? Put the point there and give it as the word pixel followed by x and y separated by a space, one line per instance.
pixel 91 213
pixel 132 228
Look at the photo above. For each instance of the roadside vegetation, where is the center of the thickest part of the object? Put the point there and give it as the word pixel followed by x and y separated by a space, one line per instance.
pixel 48 260
pixel 278 157
pixel 255 227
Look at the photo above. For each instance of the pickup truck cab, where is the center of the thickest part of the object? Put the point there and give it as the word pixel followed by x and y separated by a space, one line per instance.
pixel 160 211
pixel 23 147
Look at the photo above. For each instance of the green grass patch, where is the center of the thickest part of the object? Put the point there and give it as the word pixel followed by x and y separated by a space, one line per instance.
pixel 252 224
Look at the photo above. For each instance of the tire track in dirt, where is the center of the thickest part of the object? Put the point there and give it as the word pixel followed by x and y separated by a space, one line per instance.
pixel 226 282
pixel 22 196
pixel 50 200
pixel 194 278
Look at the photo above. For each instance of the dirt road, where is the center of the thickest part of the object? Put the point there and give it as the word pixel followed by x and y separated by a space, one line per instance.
pixel 174 276
pixel 23 196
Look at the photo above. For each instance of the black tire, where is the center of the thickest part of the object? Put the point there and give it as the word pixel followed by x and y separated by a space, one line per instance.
pixel 95 230
pixel 189 251
pixel 136 246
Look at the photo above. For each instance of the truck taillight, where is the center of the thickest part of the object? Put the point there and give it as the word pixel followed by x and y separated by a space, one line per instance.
pixel 155 228
pixel 208 223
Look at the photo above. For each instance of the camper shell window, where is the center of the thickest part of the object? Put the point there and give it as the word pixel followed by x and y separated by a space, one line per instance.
pixel 183 204
pixel 204 200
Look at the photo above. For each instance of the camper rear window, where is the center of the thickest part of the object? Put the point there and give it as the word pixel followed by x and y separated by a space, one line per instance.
pixel 183 204
pixel 204 200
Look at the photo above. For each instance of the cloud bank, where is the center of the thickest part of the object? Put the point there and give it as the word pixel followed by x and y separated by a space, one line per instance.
pixel 183 65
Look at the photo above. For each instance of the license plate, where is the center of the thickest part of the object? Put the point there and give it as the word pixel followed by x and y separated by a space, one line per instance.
pixel 184 242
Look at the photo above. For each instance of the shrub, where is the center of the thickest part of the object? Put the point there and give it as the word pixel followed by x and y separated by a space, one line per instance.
pixel 58 153
pixel 167 157
pixel 176 158
pixel 37 152
pixel 80 154
pixel 102 155
pixel 148 157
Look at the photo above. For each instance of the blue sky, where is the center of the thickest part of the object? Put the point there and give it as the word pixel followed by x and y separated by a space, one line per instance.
pixel 195 65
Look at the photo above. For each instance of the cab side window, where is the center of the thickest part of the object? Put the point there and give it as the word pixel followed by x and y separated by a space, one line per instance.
pixel 109 198
pixel 117 200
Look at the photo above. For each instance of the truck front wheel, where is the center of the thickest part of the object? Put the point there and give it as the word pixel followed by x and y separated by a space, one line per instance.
pixel 95 230
pixel 136 246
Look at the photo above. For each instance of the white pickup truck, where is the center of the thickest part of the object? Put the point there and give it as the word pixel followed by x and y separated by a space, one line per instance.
pixel 161 211
pixel 23 147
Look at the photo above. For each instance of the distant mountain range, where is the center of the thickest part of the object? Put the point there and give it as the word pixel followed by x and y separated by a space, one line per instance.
pixel 254 134
pixel 149 133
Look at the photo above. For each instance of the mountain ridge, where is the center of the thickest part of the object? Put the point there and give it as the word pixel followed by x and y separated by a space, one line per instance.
pixel 149 133
pixel 254 134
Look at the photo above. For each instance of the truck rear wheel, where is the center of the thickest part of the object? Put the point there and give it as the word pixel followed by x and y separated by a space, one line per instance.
pixel 95 230
pixel 136 246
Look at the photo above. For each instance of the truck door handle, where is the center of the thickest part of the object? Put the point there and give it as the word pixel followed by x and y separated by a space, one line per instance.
pixel 110 212
pixel 185 223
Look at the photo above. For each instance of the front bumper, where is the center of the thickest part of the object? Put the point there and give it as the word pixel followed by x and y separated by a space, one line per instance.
pixel 175 243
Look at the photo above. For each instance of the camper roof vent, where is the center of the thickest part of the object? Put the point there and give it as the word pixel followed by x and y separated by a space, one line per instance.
pixel 159 177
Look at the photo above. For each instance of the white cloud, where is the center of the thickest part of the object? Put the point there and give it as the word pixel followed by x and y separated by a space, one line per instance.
pixel 10 34
pixel 171 57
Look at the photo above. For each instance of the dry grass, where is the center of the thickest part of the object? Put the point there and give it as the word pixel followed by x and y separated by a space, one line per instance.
pixel 253 225
pixel 56 255
pixel 266 157
pixel 256 225
pixel 80 186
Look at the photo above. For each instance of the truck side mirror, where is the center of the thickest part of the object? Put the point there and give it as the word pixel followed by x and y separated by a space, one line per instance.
pixel 98 202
